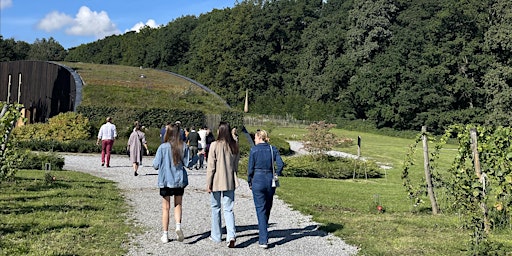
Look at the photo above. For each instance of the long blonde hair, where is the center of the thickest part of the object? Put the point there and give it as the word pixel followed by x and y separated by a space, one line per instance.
pixel 172 135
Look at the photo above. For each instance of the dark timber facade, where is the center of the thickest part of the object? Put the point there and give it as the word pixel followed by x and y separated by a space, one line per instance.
pixel 44 88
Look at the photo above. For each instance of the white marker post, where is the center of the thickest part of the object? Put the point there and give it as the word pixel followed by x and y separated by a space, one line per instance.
pixel 9 90
pixel 19 88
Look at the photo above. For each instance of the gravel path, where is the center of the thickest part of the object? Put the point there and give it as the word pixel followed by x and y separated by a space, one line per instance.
pixel 291 233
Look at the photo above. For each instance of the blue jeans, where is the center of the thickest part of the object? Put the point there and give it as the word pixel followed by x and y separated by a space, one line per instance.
pixel 263 195
pixel 228 200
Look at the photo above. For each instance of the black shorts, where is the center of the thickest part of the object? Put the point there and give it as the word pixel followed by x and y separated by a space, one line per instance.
pixel 165 191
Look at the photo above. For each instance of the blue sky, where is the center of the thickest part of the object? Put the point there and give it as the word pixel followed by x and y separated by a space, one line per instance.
pixel 75 22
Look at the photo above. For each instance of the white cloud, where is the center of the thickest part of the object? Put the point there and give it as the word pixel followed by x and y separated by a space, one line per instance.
pixel 54 21
pixel 89 23
pixel 85 23
pixel 137 27
pixel 5 4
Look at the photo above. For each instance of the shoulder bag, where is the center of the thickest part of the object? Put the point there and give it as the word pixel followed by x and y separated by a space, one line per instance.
pixel 275 179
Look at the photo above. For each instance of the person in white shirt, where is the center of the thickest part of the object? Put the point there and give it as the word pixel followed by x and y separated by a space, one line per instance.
pixel 202 145
pixel 106 135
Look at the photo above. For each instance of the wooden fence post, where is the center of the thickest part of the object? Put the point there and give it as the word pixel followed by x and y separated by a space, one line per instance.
pixel 481 177
pixel 474 149
pixel 358 146
pixel 428 175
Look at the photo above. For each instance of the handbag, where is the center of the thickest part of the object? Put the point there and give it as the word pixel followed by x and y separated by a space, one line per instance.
pixel 275 182
pixel 275 179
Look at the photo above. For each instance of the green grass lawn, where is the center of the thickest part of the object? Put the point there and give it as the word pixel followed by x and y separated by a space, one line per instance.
pixel 77 214
pixel 347 207
pixel 123 86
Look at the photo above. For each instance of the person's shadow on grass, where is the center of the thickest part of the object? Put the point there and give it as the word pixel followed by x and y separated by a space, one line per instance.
pixel 284 235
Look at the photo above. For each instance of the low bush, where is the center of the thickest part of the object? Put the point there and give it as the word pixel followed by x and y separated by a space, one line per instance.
pixel 62 127
pixel 78 146
pixel 324 166
pixel 282 145
pixel 330 167
pixel 40 161
pixel 279 143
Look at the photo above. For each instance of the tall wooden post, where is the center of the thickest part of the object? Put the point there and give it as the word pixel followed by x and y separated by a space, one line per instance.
pixel 428 175
pixel 481 177
pixel 474 149
pixel 19 88
pixel 246 105
pixel 9 90
pixel 358 146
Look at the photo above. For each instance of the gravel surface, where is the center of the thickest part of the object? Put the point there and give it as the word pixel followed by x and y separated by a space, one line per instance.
pixel 291 233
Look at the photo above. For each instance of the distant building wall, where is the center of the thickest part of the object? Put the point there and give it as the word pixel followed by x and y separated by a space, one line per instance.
pixel 47 88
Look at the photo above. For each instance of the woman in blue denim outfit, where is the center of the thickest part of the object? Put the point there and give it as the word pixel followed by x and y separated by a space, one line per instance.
pixel 172 177
pixel 260 175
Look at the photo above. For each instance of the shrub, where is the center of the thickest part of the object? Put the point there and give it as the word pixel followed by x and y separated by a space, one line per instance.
pixel 282 145
pixel 62 127
pixel 78 146
pixel 316 166
pixel 39 160
pixel 319 139
pixel 149 117
pixel 279 143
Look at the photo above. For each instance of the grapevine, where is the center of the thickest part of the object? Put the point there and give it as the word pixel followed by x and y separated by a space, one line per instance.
pixel 9 114
pixel 482 199
pixel 416 191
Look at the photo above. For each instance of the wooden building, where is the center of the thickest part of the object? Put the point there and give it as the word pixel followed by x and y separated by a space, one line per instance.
pixel 44 88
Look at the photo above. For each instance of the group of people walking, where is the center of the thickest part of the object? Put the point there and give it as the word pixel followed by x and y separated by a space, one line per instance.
pixel 135 147
pixel 221 180
pixel 174 156
pixel 199 143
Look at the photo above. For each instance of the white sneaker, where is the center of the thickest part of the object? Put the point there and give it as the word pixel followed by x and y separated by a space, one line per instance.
pixel 179 233
pixel 264 246
pixel 164 239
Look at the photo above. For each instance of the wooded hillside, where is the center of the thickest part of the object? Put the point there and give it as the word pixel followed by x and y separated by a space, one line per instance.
pixel 396 63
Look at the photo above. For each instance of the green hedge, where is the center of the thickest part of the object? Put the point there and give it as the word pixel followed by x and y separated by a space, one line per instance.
pixel 78 146
pixel 315 166
pixel 39 161
pixel 329 167
pixel 152 117
pixel 279 143
pixel 67 126
pixel 149 117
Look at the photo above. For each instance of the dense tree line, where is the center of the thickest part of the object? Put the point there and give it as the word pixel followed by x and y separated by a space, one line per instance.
pixel 396 63
pixel 41 49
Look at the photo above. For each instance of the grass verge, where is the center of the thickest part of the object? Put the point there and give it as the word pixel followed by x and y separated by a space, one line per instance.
pixel 347 207
pixel 75 214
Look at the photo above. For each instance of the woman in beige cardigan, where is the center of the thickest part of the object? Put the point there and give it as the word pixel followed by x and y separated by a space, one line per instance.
pixel 221 181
